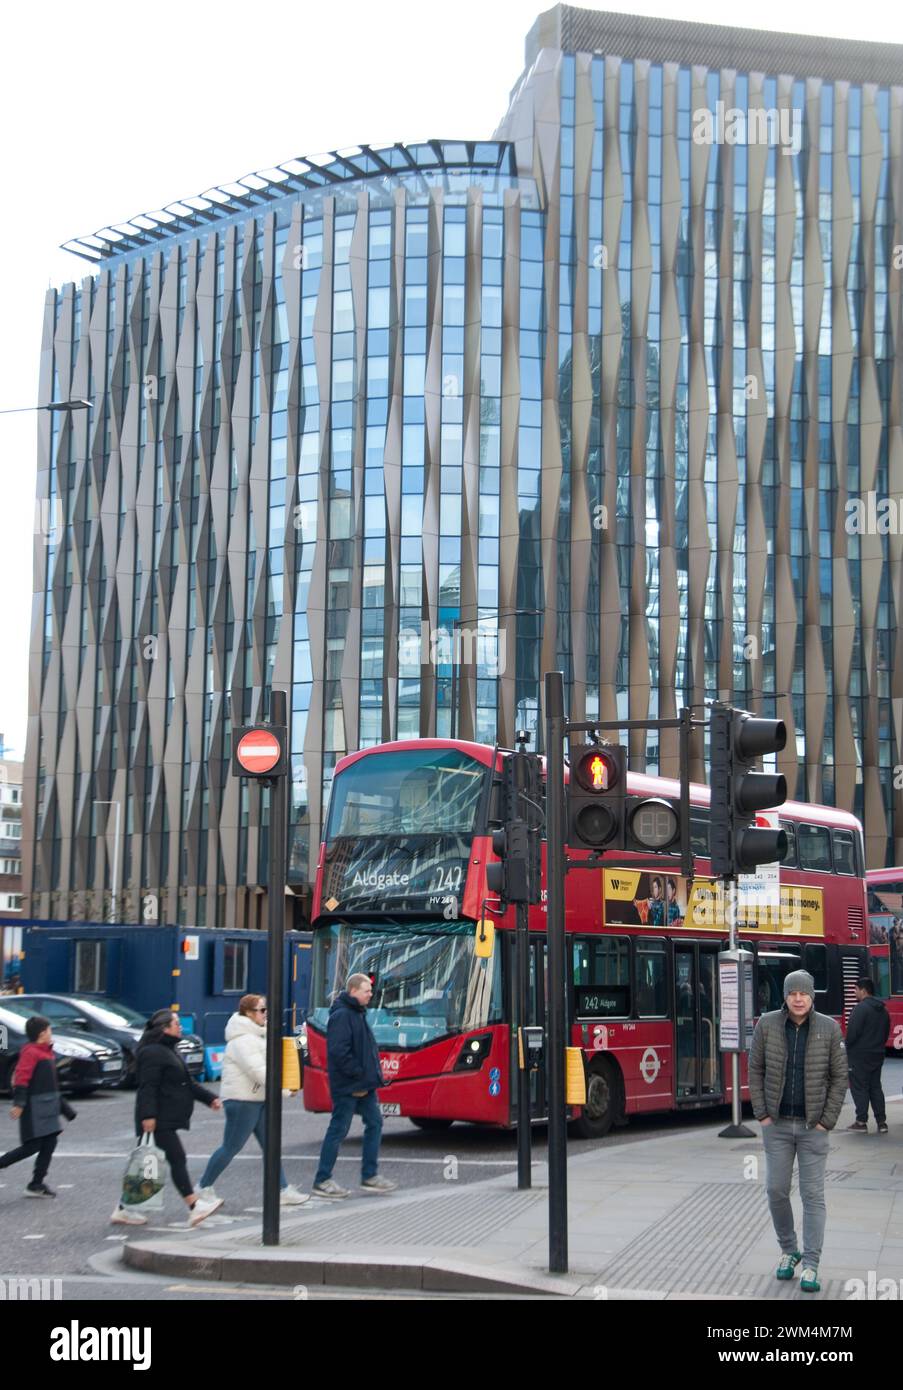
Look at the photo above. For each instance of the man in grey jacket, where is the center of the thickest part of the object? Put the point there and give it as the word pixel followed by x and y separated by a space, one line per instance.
pixel 797 1084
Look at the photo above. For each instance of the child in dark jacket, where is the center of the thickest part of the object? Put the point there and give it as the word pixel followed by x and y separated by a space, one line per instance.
pixel 37 1105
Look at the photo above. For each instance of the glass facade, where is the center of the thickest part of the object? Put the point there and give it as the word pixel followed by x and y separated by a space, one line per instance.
pixel 399 432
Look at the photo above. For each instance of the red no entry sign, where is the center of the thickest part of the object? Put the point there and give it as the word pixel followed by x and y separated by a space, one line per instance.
pixel 258 751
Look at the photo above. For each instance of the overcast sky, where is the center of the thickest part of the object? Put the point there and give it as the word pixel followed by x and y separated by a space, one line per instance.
pixel 111 111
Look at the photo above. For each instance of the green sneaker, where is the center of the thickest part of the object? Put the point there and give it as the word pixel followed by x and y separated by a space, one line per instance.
pixel 788 1265
pixel 809 1281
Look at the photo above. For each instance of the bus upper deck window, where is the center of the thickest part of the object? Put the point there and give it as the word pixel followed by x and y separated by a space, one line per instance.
pixel 844 852
pixel 699 833
pixel 814 848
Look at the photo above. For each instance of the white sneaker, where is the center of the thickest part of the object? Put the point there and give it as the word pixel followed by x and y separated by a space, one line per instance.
pixel 291 1197
pixel 202 1209
pixel 123 1217
pixel 206 1194
pixel 379 1184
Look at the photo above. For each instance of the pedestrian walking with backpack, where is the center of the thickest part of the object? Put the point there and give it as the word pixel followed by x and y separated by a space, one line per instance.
pixel 797 1084
pixel 163 1105
pixel 868 1029
pixel 352 1059
pixel 38 1105
pixel 243 1093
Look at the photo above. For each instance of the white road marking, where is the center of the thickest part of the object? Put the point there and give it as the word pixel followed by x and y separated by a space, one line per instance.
pixel 61 1185
pixel 115 1237
pixel 41 1237
pixel 311 1158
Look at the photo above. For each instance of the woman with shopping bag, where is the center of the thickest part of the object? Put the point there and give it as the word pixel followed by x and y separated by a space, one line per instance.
pixel 163 1105
pixel 243 1094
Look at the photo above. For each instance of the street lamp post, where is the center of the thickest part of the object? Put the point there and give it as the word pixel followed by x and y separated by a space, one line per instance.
pixel 55 407
pixel 117 857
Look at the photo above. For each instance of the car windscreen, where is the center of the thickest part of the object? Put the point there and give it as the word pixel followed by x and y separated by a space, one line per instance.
pixel 111 1014
pixel 22 1008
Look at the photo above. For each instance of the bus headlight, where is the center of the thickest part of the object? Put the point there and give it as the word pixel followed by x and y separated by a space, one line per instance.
pixel 474 1052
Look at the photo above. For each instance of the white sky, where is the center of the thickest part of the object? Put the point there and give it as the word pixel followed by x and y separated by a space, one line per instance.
pixel 111 112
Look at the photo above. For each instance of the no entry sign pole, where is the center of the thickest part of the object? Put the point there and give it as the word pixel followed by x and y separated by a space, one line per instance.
pixel 260 752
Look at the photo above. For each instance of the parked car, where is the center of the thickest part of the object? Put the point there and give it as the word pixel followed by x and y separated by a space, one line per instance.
pixel 79 1014
pixel 84 1064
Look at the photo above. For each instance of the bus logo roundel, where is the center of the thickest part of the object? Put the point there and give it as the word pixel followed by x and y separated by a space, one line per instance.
pixel 258 751
pixel 650 1065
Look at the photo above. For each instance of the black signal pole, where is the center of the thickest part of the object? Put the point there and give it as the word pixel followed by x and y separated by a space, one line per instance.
pixel 524 1136
pixel 557 1040
pixel 275 983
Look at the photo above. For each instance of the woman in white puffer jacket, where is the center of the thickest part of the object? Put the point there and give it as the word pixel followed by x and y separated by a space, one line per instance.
pixel 243 1093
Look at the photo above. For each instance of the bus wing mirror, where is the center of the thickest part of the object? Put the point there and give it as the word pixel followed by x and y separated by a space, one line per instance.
pixel 484 943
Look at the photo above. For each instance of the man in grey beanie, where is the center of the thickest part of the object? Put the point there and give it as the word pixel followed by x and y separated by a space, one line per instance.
pixel 797 1084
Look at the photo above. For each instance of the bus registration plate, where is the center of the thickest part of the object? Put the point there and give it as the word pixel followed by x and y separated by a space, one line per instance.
pixel 390 1108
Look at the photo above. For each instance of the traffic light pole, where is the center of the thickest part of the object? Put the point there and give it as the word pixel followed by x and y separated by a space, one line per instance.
pixel 556 727
pixel 524 1136
pixel 275 988
pixel 736 1129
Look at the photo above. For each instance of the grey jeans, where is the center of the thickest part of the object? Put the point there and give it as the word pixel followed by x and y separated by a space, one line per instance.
pixel 785 1140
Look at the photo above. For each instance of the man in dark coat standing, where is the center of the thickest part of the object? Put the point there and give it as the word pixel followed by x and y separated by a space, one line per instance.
pixel 352 1058
pixel 867 1032
pixel 37 1105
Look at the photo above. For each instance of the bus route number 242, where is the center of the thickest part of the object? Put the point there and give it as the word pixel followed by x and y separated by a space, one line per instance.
pixel 447 880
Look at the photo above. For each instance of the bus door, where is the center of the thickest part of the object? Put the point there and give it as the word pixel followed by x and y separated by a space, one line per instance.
pixel 697 1071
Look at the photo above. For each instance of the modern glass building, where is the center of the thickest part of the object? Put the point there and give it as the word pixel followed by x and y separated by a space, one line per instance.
pixel 398 430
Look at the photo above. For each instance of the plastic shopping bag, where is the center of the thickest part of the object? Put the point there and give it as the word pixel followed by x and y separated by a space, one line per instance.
pixel 144 1180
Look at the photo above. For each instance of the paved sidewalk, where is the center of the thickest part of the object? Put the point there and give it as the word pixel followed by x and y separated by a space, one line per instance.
pixel 677 1217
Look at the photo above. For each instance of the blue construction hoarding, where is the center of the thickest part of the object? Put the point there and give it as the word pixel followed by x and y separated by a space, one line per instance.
pixel 202 972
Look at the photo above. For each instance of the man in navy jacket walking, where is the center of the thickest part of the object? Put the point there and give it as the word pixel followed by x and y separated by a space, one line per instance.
pixel 352 1059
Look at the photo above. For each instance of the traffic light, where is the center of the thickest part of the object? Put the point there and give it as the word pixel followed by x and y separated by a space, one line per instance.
pixel 596 797
pixel 518 844
pixel 509 879
pixel 738 739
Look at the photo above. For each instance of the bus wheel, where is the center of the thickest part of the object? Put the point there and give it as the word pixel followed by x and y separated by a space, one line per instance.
pixel 602 1102
pixel 431 1125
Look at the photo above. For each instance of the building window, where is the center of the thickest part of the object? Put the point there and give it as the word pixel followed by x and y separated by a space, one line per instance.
pixel 235 966
pixel 90 967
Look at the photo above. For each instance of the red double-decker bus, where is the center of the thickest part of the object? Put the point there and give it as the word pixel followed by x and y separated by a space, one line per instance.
pixel 401 886
pixel 885 903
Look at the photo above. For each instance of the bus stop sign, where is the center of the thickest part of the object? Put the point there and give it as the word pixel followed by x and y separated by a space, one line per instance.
pixel 258 751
